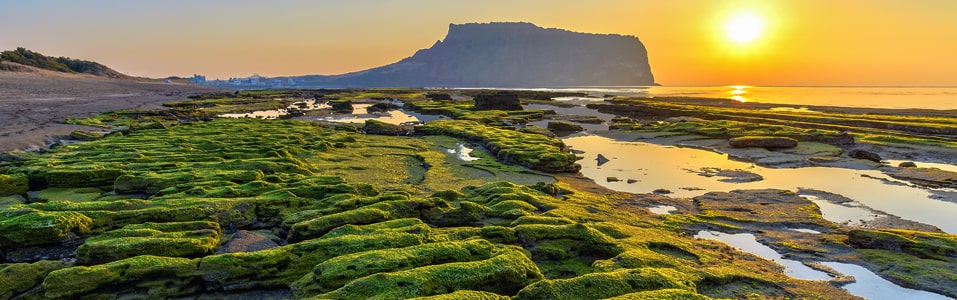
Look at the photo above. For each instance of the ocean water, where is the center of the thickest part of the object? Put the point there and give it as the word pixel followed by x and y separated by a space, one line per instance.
pixel 939 98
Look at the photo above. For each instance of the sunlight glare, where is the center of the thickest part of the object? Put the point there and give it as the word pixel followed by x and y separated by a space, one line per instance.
pixel 744 28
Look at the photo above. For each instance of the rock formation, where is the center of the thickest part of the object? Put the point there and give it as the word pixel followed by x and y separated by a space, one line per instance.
pixel 509 55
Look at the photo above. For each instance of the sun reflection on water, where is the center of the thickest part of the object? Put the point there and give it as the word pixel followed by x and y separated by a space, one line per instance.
pixel 737 94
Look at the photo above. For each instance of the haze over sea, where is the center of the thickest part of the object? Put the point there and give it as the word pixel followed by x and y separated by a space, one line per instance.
pixel 940 98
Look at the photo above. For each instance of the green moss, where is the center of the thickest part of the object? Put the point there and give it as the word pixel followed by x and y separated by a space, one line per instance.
pixel 13 184
pixel 76 281
pixel 18 278
pixel 503 274
pixel 662 294
pixel 610 284
pixel 32 227
pixel 67 194
pixel 378 212
pixel 338 271
pixel 180 239
pixel 465 294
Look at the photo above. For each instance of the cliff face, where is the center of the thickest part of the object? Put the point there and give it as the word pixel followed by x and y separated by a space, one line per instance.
pixel 510 55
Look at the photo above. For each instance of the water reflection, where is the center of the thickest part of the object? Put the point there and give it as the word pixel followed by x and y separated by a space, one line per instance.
pixel 462 152
pixel 662 209
pixel 871 286
pixel 305 105
pixel 737 94
pixel 748 243
pixel 656 167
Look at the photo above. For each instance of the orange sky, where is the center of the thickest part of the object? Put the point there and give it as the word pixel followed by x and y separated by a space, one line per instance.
pixel 804 42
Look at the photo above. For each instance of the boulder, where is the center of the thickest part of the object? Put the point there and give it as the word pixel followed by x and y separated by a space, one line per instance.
pixel 247 241
pixel 770 142
pixel 438 96
pixel 13 184
pixel 602 160
pixel 500 101
pixel 382 107
pixel 383 128
pixel 341 106
pixel 864 154
pixel 562 127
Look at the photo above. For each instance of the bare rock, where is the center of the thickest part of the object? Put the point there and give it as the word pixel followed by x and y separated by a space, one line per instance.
pixel 247 241
pixel 864 154
pixel 770 142
pixel 500 101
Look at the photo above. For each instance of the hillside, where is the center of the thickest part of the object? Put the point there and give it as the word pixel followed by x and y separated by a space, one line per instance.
pixel 509 55
pixel 25 57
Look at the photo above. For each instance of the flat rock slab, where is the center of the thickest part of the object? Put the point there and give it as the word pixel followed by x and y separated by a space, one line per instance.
pixel 247 241
pixel 931 177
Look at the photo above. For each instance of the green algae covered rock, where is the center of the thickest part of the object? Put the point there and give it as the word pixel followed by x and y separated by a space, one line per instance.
pixel 77 281
pixel 610 284
pixel 33 227
pixel 465 294
pixel 378 212
pixel 338 271
pixel 505 274
pixel 92 176
pixel 21 277
pixel 14 184
pixel 179 239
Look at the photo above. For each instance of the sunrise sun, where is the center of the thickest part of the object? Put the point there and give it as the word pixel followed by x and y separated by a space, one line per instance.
pixel 744 28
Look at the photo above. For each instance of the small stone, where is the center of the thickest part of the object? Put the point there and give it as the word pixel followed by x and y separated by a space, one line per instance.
pixel 612 179
pixel 630 181
pixel 661 192
pixel 864 154
pixel 601 160
pixel 907 164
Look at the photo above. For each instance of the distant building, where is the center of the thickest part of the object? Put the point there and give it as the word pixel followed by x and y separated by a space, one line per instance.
pixel 198 79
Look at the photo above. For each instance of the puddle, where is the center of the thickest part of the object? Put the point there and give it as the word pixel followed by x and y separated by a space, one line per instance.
pixel 276 113
pixel 652 167
pixel 871 286
pixel 804 230
pixel 662 209
pixel 360 115
pixel 577 111
pixel 747 243
pixel 462 153
pixel 843 214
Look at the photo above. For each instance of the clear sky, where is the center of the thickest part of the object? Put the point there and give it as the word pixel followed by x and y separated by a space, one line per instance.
pixel 786 42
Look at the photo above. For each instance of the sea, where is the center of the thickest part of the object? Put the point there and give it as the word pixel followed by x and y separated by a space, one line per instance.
pixel 937 98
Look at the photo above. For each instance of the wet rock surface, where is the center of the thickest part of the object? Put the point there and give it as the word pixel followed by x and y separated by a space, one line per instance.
pixel 768 142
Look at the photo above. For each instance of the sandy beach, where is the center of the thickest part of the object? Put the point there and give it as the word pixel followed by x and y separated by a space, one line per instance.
pixel 33 105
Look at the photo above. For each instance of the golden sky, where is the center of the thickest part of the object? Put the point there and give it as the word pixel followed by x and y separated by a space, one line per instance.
pixel 799 42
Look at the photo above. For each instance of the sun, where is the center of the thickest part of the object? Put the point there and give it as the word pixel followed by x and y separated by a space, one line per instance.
pixel 744 28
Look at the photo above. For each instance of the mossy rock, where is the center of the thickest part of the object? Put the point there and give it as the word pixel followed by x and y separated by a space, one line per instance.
pixel 338 271
pixel 14 184
pixel 21 277
pixel 66 194
pixel 503 274
pixel 178 239
pixel 93 176
pixel 383 128
pixel 465 294
pixel 662 294
pixel 610 284
pixel 378 212
pixel 32 227
pixel 920 244
pixel 563 127
pixel 78 281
